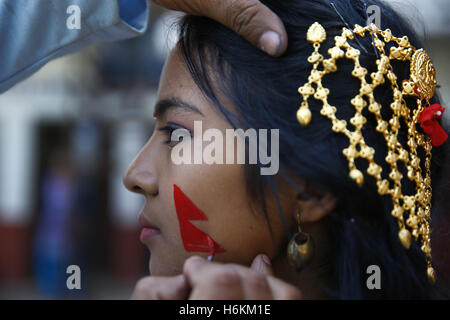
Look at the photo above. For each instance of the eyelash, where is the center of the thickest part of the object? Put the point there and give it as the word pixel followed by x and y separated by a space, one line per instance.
pixel 169 129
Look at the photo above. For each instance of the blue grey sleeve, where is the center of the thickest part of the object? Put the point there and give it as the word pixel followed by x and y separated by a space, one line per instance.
pixel 32 32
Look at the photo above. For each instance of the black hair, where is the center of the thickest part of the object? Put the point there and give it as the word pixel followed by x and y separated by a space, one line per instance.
pixel 264 93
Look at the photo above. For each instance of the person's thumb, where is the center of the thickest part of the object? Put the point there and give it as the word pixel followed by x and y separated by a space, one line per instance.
pixel 253 21
pixel 262 264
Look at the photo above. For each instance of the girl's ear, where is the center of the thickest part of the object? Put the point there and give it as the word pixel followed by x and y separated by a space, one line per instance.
pixel 313 208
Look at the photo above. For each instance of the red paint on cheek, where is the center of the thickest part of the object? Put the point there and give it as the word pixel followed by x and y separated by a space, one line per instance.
pixel 194 240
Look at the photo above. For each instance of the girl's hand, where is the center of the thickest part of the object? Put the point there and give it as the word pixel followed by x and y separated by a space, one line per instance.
pixel 161 288
pixel 203 280
pixel 216 281
pixel 249 18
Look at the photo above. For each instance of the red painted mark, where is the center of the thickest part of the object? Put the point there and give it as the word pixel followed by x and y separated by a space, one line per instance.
pixel 155 115
pixel 212 247
pixel 194 240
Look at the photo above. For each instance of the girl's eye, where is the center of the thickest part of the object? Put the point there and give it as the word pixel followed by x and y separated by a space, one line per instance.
pixel 179 136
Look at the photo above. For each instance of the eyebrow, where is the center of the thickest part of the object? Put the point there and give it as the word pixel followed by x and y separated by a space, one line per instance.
pixel 163 106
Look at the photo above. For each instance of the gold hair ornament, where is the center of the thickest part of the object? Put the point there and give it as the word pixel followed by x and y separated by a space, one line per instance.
pixel 413 212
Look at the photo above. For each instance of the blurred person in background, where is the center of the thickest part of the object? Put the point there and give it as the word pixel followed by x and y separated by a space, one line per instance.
pixel 53 246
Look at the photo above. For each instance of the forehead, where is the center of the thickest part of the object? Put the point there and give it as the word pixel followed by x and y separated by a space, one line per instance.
pixel 175 72
pixel 177 82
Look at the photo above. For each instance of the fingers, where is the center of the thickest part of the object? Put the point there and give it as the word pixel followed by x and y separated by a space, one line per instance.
pixel 283 291
pixel 229 281
pixel 204 280
pixel 262 264
pixel 224 281
pixel 253 21
pixel 249 18
pixel 161 288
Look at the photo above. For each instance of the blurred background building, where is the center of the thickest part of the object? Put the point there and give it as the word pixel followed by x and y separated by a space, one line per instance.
pixel 67 136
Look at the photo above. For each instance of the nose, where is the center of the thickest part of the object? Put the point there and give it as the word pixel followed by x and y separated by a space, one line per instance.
pixel 141 176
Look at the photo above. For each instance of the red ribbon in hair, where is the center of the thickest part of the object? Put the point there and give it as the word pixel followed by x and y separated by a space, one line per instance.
pixel 428 121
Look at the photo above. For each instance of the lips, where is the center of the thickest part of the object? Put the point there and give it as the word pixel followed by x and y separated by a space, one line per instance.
pixel 148 229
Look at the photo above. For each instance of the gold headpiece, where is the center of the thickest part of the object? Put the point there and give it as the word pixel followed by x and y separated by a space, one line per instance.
pixel 413 212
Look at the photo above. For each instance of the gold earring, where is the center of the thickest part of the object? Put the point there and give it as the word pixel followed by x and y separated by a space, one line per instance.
pixel 300 250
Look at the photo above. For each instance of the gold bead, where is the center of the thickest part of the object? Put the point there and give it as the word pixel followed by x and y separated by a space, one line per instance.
pixel 339 125
pixel 336 52
pixel 329 65
pixel 405 238
pixel 431 275
pixel 383 187
pixel 316 33
pixel 374 169
pixel 374 107
pixel 347 33
pixel 398 212
pixel 426 249
pixel 412 221
pixel 304 116
pixel 357 175
pixel 359 30
pixel 315 57
pixel 408 202
pixel 350 152
pixel 408 88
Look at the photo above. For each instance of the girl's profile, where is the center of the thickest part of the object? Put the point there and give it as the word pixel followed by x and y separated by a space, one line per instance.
pixel 341 204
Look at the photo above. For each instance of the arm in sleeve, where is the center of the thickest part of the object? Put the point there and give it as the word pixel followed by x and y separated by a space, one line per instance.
pixel 32 32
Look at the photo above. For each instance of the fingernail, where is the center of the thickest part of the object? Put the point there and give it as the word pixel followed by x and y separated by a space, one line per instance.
pixel 266 260
pixel 270 42
pixel 191 260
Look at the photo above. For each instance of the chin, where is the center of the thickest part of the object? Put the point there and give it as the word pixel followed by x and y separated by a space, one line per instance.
pixel 160 268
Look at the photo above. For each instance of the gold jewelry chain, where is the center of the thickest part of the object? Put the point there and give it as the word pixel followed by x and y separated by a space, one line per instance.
pixel 412 212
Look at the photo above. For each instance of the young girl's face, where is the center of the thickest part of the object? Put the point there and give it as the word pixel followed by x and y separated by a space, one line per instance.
pixel 178 230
